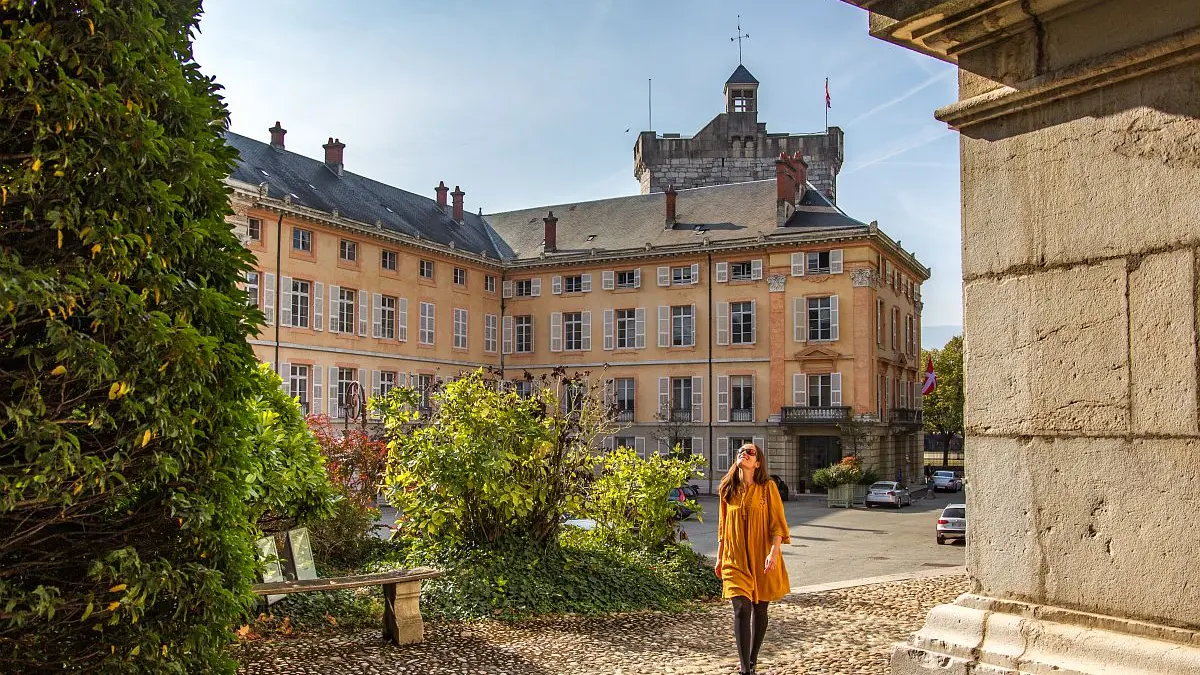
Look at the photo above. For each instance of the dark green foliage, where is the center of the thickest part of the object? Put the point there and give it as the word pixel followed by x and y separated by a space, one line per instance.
pixel 130 410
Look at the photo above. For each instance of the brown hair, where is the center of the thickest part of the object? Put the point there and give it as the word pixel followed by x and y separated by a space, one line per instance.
pixel 731 484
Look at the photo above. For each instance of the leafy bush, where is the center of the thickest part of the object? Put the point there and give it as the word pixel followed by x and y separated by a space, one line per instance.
pixel 846 472
pixel 345 539
pixel 131 476
pixel 629 499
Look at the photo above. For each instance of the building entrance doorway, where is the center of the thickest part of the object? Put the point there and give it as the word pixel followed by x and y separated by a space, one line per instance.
pixel 817 452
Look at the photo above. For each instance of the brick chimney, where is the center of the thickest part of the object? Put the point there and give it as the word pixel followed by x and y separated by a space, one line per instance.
pixel 277 134
pixel 801 173
pixel 333 155
pixel 458 203
pixel 672 195
pixel 785 180
pixel 441 191
pixel 551 237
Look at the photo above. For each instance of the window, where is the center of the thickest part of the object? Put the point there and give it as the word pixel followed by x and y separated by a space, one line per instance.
pixel 426 269
pixel 387 317
pixel 684 444
pixel 818 263
pixel 302 239
pixel 345 317
pixel 424 387
pixel 460 328
pixel 908 335
pixel 895 328
pixel 489 284
pixel 741 271
pixel 734 444
pixel 820 391
pixel 387 260
pixel 300 303
pixel 879 323
pixel 524 388
pixel 254 229
pixel 743 100
pixel 627 279
pixel 524 329
pixel 427 323
pixel 626 328
pixel 460 276
pixel 741 398
pixel 681 399
pixel 523 288
pixel 741 320
pixel 347 250
pixel 624 442
pixel 252 284
pixel 682 275
pixel 298 385
pixel 573 284
pixel 387 381
pixel 489 332
pixel 820 325
pixel 623 398
pixel 574 396
pixel 347 378
pixel 683 326
pixel 573 331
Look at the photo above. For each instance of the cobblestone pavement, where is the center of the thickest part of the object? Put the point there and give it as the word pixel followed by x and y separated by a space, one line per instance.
pixel 848 631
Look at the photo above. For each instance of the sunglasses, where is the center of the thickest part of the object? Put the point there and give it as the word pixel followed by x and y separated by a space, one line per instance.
pixel 749 452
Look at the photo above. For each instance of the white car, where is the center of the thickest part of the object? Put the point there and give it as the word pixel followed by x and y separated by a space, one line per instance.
pixel 946 481
pixel 888 492
pixel 952 523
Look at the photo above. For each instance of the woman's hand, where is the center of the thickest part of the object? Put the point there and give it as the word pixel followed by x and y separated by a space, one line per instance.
pixel 719 571
pixel 772 559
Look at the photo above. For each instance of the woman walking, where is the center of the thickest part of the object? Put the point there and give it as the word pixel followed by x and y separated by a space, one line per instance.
pixel 749 563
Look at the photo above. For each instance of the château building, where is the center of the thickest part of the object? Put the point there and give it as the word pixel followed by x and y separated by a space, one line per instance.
pixel 722 313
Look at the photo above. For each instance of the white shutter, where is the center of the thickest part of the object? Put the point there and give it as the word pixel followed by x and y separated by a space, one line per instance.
pixel 319 306
pixel 609 338
pixel 799 323
pixel 695 323
pixel 664 326
pixel 362 386
pixel 835 386
pixel 798 260
pixel 556 331
pixel 507 335
pixel 608 280
pixel 318 390
pixel 637 278
pixel 664 276
pixel 799 393
pixel 362 313
pixel 639 446
pixel 335 295
pixel 610 443
pixel 833 317
pixel 721 461
pixel 697 399
pixel 556 284
pixel 376 315
pixel 723 398
pixel 695 273
pixel 640 327
pixel 506 289
pixel 722 323
pixel 285 301
pixel 753 322
pixel 722 273
pixel 835 261
pixel 760 443
pixel 756 269
pixel 586 283
pixel 374 383
pixel 664 396
pixel 586 325
pixel 268 307
pixel 535 287
pixel 402 319
pixel 532 333
pixel 662 447
pixel 610 391
pixel 285 376
pixel 697 446
pixel 333 406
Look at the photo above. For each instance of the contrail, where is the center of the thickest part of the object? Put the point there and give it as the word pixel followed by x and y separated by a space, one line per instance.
pixel 906 95
pixel 920 140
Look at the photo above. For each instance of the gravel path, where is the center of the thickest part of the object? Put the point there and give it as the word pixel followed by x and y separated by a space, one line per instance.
pixel 848 631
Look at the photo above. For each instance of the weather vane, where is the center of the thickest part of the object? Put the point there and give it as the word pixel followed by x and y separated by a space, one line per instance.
pixel 739 38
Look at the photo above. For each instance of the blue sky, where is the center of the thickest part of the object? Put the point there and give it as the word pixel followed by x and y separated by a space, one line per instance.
pixel 527 102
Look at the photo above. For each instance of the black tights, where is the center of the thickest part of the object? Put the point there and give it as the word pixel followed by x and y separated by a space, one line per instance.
pixel 749 626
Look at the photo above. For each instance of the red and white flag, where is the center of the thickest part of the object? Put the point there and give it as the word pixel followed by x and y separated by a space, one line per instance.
pixel 930 379
pixel 828 101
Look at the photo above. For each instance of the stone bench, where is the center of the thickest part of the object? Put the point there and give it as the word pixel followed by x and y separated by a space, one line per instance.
pixel 401 595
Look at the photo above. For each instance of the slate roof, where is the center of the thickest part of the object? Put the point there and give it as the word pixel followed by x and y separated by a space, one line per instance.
pixel 312 184
pixel 741 76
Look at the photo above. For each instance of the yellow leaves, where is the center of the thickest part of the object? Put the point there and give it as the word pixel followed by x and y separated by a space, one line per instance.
pixel 92 31
pixel 78 489
pixel 59 370
pixel 37 163
pixel 60 238
pixel 146 438
pixel 117 390
pixel 112 606
pixel 137 649
pixel 129 105
pixel 164 650
pixel 118 588
pixel 3 195
pixel 96 248
pixel 59 173
pixel 243 631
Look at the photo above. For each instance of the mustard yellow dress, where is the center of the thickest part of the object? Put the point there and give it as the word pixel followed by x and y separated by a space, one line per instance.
pixel 747 524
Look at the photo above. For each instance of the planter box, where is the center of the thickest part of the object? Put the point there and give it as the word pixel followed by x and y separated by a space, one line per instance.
pixel 839 496
pixel 858 495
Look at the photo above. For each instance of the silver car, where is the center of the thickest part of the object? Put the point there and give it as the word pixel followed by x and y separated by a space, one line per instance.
pixel 952 524
pixel 888 492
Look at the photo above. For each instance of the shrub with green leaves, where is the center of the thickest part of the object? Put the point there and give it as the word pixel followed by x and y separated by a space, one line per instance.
pixel 138 446
pixel 629 501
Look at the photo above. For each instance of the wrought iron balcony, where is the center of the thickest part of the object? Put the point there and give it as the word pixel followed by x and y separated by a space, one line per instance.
pixel 625 415
pixel 681 415
pixel 741 415
pixel 907 416
pixel 803 414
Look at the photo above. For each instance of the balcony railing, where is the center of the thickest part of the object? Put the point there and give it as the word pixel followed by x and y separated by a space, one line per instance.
pixel 684 415
pixel 741 415
pixel 801 414
pixel 625 415
pixel 907 416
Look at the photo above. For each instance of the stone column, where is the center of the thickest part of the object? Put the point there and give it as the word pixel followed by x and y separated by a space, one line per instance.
pixel 1080 140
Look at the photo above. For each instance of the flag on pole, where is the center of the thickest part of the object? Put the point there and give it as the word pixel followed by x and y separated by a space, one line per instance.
pixel 828 101
pixel 930 379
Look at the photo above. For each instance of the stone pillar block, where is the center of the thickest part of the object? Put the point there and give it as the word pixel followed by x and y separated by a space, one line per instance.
pixel 1162 349
pixel 402 623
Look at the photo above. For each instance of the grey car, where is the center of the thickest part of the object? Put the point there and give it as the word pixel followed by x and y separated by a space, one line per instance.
pixel 888 492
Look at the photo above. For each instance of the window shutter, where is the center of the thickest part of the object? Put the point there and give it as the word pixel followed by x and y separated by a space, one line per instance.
pixel 639 446
pixel 556 284
pixel 333 392
pixel 318 398
pixel 608 280
pixel 760 443
pixel 662 447
pixel 376 315
pixel 586 283
pixel 695 273
pixel 535 287
pixel 610 443
pixel 402 319
pixel 556 331
pixel 610 391
pixel 506 289
pixel 532 333
pixel 722 272
pixel 835 261
pixel 799 395
pixel 637 278
pixel 799 321
pixel 753 322
pixel 697 399
pixel 335 295
pixel 318 306
pixel 664 276
pixel 721 461
pixel 664 326
pixel 723 398
pixel 697 446
pixel 798 261
pixel 833 317
pixel 835 386
pixel 362 313
pixel 285 377
pixel 639 328
pixel 285 301
pixel 374 383
pixel 608 330
pixel 664 396
pixel 695 318
pixel 268 306
pixel 722 323
pixel 507 336
pixel 586 325
pixel 756 269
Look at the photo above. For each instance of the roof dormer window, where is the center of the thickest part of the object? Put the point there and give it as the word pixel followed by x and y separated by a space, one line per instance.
pixel 743 100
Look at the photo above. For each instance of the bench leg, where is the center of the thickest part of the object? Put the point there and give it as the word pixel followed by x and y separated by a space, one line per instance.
pixel 402 613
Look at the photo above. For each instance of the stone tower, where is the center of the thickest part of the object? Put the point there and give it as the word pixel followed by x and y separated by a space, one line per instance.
pixel 734 148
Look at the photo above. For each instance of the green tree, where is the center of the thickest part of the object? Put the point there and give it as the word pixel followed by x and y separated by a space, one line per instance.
pixel 944 407
pixel 138 445
pixel 629 499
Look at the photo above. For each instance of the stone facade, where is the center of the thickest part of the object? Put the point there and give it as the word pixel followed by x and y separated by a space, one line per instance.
pixel 1080 128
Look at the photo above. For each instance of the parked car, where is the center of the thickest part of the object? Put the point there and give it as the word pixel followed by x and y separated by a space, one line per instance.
pixel 888 492
pixel 946 481
pixel 680 496
pixel 581 523
pixel 952 523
